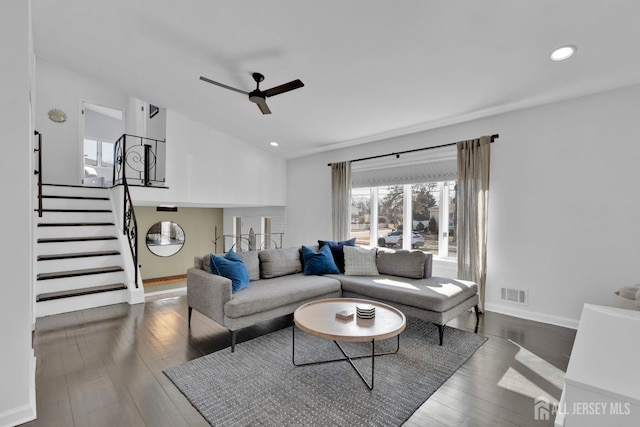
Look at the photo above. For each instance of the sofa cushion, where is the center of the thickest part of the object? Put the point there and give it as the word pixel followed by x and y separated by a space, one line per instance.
pixel 434 294
pixel 401 263
pixel 251 261
pixel 360 261
pixel 205 263
pixel 279 262
pixel 318 262
pixel 231 267
pixel 337 250
pixel 265 295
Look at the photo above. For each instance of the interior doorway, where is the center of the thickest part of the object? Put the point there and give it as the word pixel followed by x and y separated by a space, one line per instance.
pixel 102 128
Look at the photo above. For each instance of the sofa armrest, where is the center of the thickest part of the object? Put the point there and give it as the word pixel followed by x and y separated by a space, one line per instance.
pixel 208 293
pixel 428 265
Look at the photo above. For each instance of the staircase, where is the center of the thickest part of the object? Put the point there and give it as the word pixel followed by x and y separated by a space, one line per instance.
pixel 80 262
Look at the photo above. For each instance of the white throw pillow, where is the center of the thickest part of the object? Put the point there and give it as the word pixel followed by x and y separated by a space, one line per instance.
pixel 628 292
pixel 360 261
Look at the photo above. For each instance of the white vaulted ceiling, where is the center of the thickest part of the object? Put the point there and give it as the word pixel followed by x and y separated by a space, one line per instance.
pixel 371 68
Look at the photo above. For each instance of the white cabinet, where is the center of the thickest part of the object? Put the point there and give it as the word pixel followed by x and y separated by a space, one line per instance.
pixel 602 384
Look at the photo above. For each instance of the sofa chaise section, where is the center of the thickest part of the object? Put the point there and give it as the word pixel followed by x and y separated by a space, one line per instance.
pixel 433 299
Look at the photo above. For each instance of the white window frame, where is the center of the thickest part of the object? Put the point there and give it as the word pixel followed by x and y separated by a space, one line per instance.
pixel 99 156
pixel 443 218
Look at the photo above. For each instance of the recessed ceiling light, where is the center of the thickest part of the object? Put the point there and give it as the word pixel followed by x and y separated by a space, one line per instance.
pixel 273 144
pixel 562 53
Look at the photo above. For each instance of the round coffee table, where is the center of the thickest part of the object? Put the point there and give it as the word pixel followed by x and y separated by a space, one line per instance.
pixel 318 318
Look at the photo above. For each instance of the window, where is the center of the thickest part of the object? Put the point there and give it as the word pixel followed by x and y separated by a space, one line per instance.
pixel 361 215
pixel 98 152
pixel 91 152
pixel 408 201
pixel 428 208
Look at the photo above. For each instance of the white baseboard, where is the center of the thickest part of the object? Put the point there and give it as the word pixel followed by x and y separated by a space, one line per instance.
pixel 136 296
pixel 166 291
pixel 529 315
pixel 27 412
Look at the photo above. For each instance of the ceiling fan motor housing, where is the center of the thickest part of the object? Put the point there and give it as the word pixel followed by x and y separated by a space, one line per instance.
pixel 256 96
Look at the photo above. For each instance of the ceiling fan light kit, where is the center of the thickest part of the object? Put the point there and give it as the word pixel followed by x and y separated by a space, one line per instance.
pixel 258 96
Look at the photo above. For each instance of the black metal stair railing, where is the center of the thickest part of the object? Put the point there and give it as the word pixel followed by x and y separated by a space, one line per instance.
pixel 130 227
pixel 249 241
pixel 141 160
pixel 138 160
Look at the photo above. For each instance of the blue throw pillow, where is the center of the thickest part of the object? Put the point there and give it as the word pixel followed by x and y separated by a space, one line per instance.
pixel 231 267
pixel 337 251
pixel 317 263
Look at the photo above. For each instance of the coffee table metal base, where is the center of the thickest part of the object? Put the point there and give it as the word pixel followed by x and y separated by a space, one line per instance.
pixel 346 357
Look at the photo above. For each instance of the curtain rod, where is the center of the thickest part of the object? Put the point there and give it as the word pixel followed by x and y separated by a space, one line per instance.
pixel 397 154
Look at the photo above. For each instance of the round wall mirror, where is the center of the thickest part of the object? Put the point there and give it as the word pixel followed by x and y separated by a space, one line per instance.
pixel 165 238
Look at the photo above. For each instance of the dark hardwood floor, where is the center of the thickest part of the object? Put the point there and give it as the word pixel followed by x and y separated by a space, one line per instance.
pixel 103 367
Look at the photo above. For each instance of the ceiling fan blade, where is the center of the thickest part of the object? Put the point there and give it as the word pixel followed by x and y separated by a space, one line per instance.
pixel 262 105
pixel 204 79
pixel 295 84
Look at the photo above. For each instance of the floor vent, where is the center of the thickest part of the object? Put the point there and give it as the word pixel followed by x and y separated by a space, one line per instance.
pixel 519 296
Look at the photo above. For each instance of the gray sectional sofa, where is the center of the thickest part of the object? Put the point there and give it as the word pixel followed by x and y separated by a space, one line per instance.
pixel 278 286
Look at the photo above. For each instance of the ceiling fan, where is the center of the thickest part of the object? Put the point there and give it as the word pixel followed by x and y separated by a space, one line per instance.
pixel 258 96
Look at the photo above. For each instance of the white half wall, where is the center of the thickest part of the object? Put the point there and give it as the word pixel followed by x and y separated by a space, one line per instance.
pixel 563 208
pixel 17 370
pixel 208 168
pixel 58 87
pixel 252 219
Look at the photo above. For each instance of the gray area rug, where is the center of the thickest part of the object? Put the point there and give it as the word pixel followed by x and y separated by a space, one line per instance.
pixel 259 385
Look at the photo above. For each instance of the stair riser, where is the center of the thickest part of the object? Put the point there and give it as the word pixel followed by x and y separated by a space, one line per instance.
pixel 65 305
pixel 73 247
pixel 77 217
pixel 84 231
pixel 50 266
pixel 79 282
pixel 52 190
pixel 75 204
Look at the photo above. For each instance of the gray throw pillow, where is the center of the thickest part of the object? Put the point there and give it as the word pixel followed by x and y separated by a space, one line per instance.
pixel 206 263
pixel 252 262
pixel 279 262
pixel 360 261
pixel 402 263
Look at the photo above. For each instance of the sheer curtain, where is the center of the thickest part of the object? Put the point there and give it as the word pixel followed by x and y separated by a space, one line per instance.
pixel 341 200
pixel 473 202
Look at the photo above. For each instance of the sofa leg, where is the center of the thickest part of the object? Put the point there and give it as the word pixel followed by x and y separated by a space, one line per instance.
pixel 441 332
pixel 189 317
pixel 234 335
pixel 477 317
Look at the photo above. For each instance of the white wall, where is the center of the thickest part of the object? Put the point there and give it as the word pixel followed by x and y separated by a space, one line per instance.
pixel 98 125
pixel 17 370
pixel 204 167
pixel 564 202
pixel 208 168
pixel 156 127
pixel 57 87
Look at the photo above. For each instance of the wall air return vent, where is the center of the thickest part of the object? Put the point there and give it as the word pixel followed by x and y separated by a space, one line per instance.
pixel 518 296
